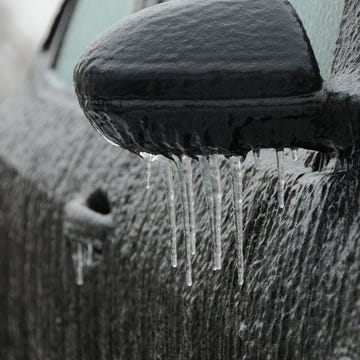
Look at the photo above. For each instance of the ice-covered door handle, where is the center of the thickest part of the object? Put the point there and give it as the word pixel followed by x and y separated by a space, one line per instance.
pixel 87 225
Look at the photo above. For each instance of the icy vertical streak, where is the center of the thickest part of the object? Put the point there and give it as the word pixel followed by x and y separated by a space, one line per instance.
pixel 89 255
pixel 190 196
pixel 186 219
pixel 79 264
pixel 281 177
pixel 170 200
pixel 256 153
pixel 214 162
pixel 148 171
pixel 237 176
pixel 207 182
pixel 295 154
pixel 148 158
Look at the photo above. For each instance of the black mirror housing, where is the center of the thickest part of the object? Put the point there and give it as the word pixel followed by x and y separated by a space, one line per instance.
pixel 210 76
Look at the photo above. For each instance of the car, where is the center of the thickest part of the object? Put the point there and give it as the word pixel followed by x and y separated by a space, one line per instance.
pixel 85 258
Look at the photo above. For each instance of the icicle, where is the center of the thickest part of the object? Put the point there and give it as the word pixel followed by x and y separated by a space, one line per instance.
pixel 186 218
pixel 210 172
pixel 295 154
pixel 190 196
pixel 170 198
pixel 237 176
pixel 148 158
pixel 281 177
pixel 207 182
pixel 89 255
pixel 79 264
pixel 148 172
pixel 256 153
pixel 214 163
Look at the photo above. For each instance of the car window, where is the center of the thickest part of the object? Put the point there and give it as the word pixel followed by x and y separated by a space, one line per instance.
pixel 321 19
pixel 90 18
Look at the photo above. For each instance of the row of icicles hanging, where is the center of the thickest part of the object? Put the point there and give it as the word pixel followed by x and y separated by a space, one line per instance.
pixel 211 177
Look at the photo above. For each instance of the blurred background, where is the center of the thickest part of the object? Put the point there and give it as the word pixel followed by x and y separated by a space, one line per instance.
pixel 23 26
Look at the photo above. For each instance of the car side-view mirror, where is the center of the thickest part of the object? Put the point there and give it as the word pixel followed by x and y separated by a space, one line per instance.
pixel 213 76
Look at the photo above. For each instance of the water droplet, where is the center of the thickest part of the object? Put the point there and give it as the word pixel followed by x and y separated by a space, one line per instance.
pixel 281 177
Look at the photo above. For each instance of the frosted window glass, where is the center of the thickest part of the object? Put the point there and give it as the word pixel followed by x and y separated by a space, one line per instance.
pixel 91 17
pixel 321 19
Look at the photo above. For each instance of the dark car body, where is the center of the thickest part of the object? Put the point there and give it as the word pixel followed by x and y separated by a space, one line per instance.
pixel 300 299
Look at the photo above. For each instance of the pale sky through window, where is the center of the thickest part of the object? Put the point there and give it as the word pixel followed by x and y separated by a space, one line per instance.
pixel 32 17
pixel 24 25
